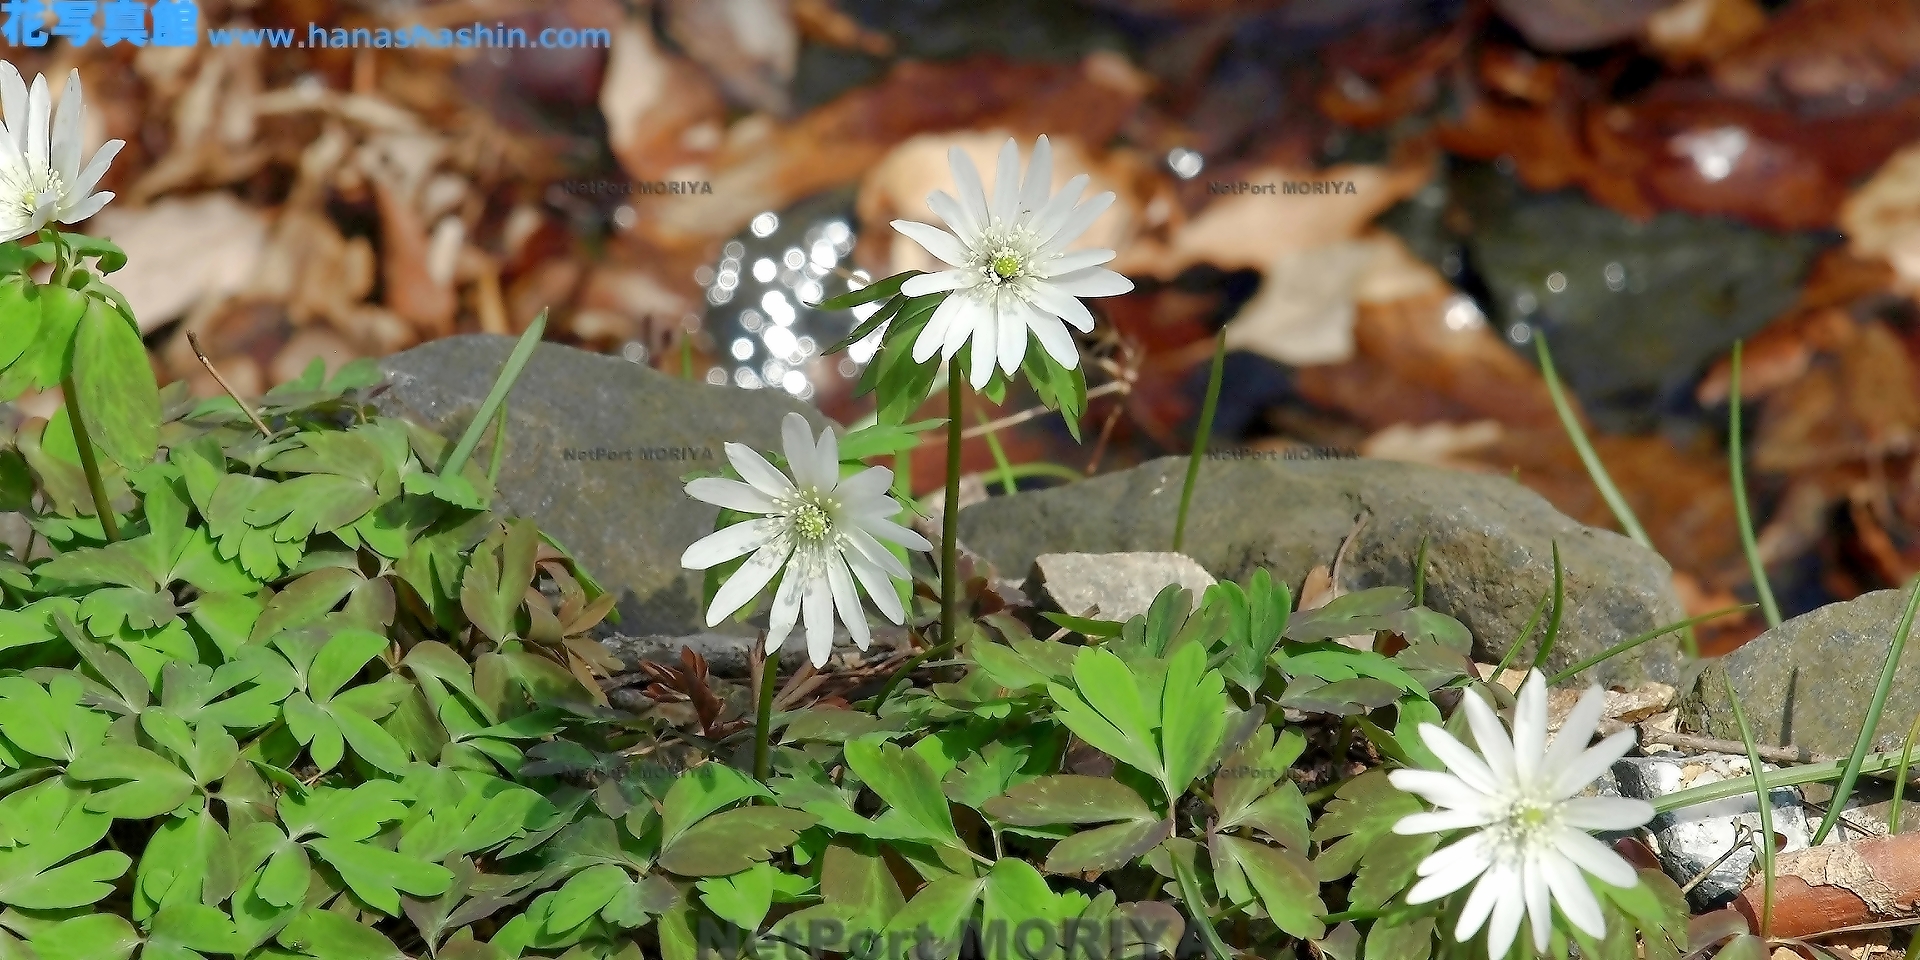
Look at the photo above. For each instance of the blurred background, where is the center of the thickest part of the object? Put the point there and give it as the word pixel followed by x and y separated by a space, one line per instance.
pixel 1384 204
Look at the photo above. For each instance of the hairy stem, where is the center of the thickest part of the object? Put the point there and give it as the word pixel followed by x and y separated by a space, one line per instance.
pixel 89 460
pixel 763 721
pixel 950 517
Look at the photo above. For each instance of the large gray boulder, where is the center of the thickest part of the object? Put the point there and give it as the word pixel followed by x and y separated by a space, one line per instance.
pixel 1489 555
pixel 596 449
pixel 1808 682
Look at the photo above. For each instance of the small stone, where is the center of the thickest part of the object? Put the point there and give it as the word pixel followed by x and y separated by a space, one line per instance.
pixel 1121 585
pixel 1691 839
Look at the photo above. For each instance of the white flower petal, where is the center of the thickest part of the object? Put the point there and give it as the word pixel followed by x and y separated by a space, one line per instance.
pixel 1588 766
pixel 1013 335
pixel 1033 192
pixel 938 242
pixel 1442 821
pixel 1497 883
pixel 864 545
pixel 1539 902
pixel 786 605
pixel 933 336
pixel 1075 224
pixel 66 132
pixel 1440 789
pixel 878 586
pixel 847 601
pixel 1473 853
pixel 1594 857
pixel 972 196
pixel 827 459
pixel 731 494
pixel 949 210
pixel 84 209
pixel 1047 222
pixel 1504 928
pixel 747 582
pixel 1530 728
pixel 816 606
pixel 1006 184
pixel 1453 869
pixel 973 316
pixel 13 99
pixel 796 439
pixel 1053 337
pixel 986 349
pixel 755 469
pixel 1464 763
pixel 1057 301
pixel 1605 814
pixel 38 114
pixel 870 484
pixel 1091 282
pixel 1490 737
pixel 927 283
pixel 729 543
pixel 1571 893
pixel 883 528
pixel 1576 732
pixel 1069 262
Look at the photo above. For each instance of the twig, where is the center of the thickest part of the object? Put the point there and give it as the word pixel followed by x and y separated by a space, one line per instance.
pixel 1697 744
pixel 1031 412
pixel 193 340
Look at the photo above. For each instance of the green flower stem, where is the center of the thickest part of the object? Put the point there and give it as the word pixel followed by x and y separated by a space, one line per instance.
pixel 1200 436
pixel 1738 470
pixel 89 460
pixel 1872 722
pixel 763 721
pixel 950 517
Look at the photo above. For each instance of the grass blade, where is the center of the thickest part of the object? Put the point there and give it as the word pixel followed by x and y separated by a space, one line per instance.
pixel 999 456
pixel 1526 633
pixel 1625 645
pixel 502 385
pixel 1559 611
pixel 1618 504
pixel 1200 437
pixel 1762 801
pixel 1872 722
pixel 1420 574
pixel 499 447
pixel 1900 778
pixel 1738 470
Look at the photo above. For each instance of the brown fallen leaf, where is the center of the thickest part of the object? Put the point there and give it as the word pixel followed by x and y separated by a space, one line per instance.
pixel 181 250
pixel 1702 31
pixel 661 110
pixel 822 22
pixel 412 292
pixel 1882 218
pixel 752 47
pixel 1819 49
pixel 303 349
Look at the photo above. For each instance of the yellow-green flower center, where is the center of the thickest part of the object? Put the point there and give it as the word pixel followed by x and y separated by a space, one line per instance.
pixel 1006 266
pixel 811 522
pixel 27 200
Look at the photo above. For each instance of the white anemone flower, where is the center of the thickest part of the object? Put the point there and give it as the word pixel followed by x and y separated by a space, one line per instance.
pixel 1532 836
pixel 41 179
pixel 823 531
pixel 1011 271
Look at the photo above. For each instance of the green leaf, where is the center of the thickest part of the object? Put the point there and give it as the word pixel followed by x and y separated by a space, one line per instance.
pixel 742 899
pixel 877 290
pixel 858 880
pixel 340 660
pixel 19 319
pixel 1361 816
pixel 304 601
pixel 1112 718
pixel 733 841
pixel 155 786
pixel 330 936
pixel 1284 880
pixel 698 793
pixel 118 398
pixel 1068 798
pixel 196 927
pixel 50 819
pixel 1107 848
pixel 880 439
pixel 1193 718
pixel 376 874
pixel 1411 940
pixel 44 364
pixel 930 924
pixel 585 894
pixel 906 782
pixel 100 936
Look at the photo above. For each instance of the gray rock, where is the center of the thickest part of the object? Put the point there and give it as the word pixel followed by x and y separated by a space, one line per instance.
pixel 1808 682
pixel 1489 556
pixel 1122 585
pixel 1692 839
pixel 596 449
pixel 1632 310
